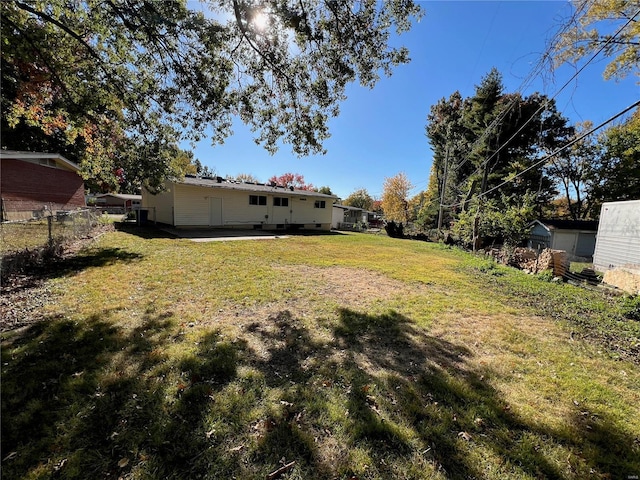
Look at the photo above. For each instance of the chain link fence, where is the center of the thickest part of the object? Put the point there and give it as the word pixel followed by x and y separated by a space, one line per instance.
pixel 27 242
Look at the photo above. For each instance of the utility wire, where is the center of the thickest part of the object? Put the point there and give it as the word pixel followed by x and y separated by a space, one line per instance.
pixel 525 83
pixel 554 153
pixel 580 70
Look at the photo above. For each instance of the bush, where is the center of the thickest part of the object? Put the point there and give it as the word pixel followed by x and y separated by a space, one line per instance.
pixel 394 230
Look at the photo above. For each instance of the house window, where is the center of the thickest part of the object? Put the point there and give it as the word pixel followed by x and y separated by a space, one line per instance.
pixel 280 202
pixel 320 204
pixel 257 200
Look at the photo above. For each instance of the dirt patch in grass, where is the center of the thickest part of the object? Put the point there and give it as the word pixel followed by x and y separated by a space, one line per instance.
pixel 352 287
pixel 310 289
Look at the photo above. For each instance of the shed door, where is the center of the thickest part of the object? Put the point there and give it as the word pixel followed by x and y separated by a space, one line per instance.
pixel 565 241
pixel 215 211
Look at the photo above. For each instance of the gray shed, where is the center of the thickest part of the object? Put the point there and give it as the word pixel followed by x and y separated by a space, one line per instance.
pixel 618 241
pixel 576 237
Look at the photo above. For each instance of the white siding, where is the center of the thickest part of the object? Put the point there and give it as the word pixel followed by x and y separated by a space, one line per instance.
pixel 191 206
pixel 618 239
pixel 337 216
pixel 160 206
pixel 237 210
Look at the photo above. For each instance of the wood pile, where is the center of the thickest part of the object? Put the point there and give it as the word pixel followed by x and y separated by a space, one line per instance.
pixel 528 260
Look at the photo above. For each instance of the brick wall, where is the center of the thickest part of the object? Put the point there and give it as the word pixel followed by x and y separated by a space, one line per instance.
pixel 25 186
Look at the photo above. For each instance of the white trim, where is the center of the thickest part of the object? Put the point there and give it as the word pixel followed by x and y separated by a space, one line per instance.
pixel 13 154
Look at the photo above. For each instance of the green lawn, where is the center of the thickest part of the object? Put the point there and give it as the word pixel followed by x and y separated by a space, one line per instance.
pixel 355 356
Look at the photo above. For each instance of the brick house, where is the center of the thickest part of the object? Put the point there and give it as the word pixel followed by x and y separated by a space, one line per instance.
pixel 32 182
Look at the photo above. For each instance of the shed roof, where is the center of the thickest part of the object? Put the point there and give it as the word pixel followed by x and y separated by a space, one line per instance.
pixel 123 196
pixel 562 224
pixel 221 183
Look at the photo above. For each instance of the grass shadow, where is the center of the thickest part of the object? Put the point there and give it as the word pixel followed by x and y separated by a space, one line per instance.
pixel 33 275
pixel 377 398
pixel 147 231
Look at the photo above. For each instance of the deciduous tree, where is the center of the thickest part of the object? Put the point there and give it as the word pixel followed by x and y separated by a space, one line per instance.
pixel 360 199
pixel 93 78
pixel 618 174
pixel 245 177
pixel 325 190
pixel 294 180
pixel 576 170
pixel 594 26
pixel 395 198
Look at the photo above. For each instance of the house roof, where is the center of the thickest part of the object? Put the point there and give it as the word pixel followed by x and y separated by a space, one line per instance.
pixel 349 207
pixel 14 154
pixel 561 224
pixel 221 183
pixel 123 196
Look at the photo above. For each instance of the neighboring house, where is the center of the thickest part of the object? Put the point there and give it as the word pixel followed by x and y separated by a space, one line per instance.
pixel 216 202
pixel 337 217
pixel 576 237
pixel 349 218
pixel 32 182
pixel 117 202
pixel 618 242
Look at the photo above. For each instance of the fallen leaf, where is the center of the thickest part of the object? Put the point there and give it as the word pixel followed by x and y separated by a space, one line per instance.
pixel 123 462
pixel 465 436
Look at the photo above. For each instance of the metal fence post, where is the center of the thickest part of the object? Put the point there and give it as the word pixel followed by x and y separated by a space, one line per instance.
pixel 50 225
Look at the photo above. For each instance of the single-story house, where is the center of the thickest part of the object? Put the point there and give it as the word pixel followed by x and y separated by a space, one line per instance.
pixel 337 216
pixel 32 182
pixel 217 202
pixel 576 237
pixel 618 241
pixel 117 202
pixel 348 217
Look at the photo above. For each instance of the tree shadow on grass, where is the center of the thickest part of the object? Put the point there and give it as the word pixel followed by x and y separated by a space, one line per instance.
pixel 27 272
pixel 33 274
pixel 380 398
pixel 91 400
pixel 458 414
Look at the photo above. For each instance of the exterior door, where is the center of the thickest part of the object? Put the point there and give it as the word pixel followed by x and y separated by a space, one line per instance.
pixel 565 241
pixel 215 212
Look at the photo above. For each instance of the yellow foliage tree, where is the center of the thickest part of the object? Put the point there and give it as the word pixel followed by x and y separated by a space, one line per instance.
pixel 595 25
pixel 394 198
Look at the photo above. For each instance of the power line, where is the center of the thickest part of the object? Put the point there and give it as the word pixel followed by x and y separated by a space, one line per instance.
pixel 554 153
pixel 528 79
pixel 580 70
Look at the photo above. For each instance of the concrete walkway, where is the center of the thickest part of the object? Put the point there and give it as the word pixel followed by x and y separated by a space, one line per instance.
pixel 222 235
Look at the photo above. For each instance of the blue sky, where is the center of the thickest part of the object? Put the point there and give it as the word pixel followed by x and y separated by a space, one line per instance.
pixel 380 132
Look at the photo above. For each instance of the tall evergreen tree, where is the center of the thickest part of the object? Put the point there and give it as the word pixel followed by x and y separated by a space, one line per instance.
pixel 493 139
